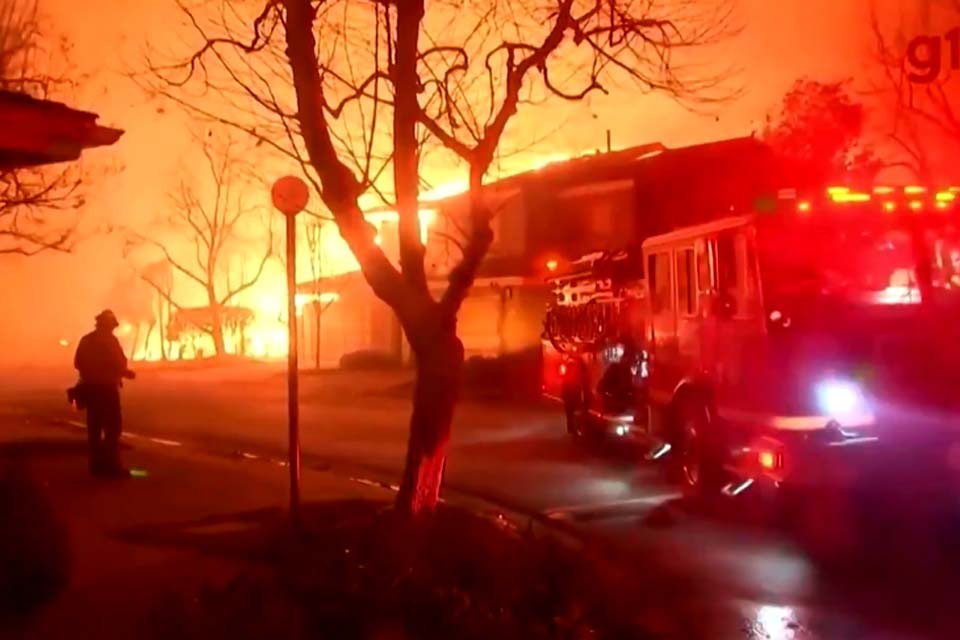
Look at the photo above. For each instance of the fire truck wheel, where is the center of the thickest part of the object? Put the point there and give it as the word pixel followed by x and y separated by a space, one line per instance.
pixel 698 461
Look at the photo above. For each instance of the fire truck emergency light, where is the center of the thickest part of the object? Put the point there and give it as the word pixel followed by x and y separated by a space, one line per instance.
pixel 914 197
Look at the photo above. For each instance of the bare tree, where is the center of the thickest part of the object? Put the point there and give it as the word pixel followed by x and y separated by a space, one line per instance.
pixel 211 224
pixel 922 117
pixel 353 91
pixel 313 230
pixel 28 196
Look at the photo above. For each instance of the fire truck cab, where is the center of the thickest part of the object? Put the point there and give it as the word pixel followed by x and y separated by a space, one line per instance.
pixel 785 340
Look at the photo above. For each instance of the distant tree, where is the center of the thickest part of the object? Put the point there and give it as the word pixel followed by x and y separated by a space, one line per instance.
pixel 818 128
pixel 314 233
pixel 188 326
pixel 211 227
pixel 351 92
pixel 28 196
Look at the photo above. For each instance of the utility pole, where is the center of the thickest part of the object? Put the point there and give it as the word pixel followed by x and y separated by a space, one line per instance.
pixel 290 196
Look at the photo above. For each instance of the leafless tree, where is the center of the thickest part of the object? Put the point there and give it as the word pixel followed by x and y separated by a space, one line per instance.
pixel 210 223
pixel 922 118
pixel 353 91
pixel 313 230
pixel 29 197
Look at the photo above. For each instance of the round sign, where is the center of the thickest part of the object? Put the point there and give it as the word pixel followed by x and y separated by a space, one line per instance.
pixel 290 195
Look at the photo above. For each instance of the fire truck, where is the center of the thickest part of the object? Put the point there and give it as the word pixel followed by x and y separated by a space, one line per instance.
pixel 773 344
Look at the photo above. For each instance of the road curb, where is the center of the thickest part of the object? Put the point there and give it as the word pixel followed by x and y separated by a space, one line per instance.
pixel 512 516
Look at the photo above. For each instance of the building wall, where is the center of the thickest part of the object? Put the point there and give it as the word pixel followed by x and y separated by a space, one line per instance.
pixel 500 319
pixel 357 321
pixel 575 221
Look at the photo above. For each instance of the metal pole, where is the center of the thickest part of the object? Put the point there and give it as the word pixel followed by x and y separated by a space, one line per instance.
pixel 292 381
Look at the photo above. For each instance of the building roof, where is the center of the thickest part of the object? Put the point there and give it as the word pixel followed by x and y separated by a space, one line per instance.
pixel 37 132
pixel 626 163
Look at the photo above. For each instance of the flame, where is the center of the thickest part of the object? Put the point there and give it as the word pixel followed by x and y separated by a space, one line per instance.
pixel 266 335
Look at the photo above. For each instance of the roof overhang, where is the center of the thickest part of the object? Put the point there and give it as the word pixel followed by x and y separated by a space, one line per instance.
pixel 38 132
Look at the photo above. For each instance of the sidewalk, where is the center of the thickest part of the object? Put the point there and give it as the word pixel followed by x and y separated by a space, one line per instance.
pixel 123 579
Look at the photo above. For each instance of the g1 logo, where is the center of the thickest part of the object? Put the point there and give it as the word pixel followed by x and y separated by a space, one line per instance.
pixel 925 56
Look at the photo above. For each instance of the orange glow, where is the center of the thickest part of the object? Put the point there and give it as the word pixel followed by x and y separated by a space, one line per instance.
pixel 942 205
pixel 883 190
pixel 563 369
pixel 803 206
pixel 916 205
pixel 914 189
pixel 768 460
pixel 889 206
pixel 836 191
pixel 552 265
pixel 946 196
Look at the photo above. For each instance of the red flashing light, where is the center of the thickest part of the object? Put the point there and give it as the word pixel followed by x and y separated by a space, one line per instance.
pixel 768 460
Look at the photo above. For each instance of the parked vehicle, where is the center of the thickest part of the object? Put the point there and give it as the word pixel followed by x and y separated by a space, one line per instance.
pixel 782 343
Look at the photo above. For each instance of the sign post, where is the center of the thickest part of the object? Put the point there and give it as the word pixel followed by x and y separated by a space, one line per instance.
pixel 290 195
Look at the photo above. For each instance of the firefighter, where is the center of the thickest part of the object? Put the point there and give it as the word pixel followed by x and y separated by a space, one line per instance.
pixel 102 366
pixel 616 386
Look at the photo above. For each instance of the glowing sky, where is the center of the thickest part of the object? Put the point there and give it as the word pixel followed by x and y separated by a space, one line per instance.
pixel 56 297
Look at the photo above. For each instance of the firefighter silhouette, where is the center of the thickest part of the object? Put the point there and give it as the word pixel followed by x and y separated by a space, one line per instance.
pixel 102 366
pixel 616 385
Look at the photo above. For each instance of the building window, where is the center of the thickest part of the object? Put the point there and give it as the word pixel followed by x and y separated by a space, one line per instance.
pixel 658 274
pixel 686 283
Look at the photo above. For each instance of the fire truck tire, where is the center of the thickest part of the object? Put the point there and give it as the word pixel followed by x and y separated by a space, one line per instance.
pixel 696 440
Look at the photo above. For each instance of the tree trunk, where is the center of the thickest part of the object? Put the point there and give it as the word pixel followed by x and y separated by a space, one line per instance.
pixel 439 366
pixel 163 328
pixel 146 341
pixel 217 335
pixel 216 321
pixel 136 340
pixel 317 311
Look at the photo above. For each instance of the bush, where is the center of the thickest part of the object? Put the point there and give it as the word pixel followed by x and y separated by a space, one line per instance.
pixel 368 360
pixel 513 376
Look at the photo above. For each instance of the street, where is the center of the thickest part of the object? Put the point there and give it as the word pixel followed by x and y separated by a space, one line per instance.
pixel 519 458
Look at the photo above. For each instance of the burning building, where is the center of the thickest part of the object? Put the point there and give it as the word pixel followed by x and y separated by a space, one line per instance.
pixel 544 218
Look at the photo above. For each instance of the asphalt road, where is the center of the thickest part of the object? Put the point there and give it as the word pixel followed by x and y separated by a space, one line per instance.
pixel 772 583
